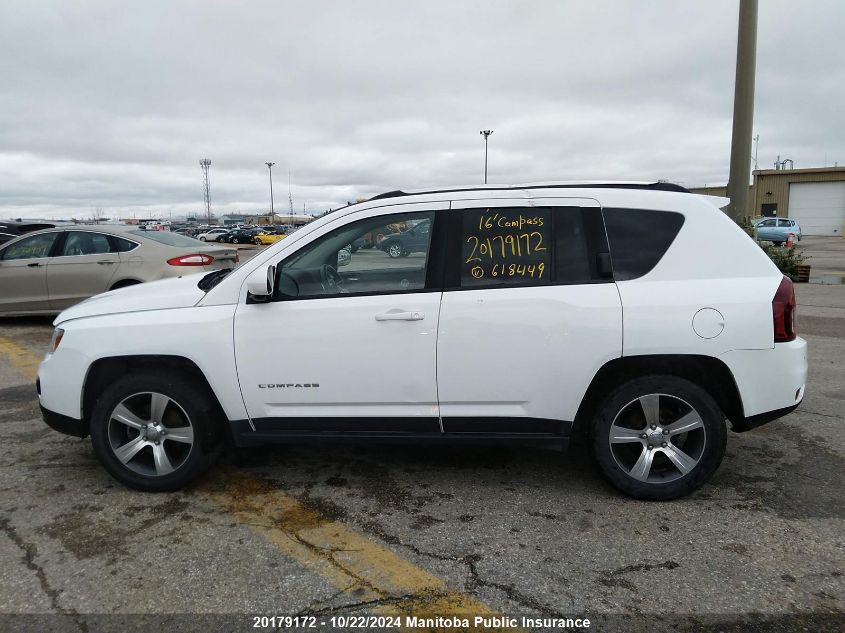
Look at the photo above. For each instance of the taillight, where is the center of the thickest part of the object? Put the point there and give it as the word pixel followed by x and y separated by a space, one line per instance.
pixel 196 259
pixel 783 311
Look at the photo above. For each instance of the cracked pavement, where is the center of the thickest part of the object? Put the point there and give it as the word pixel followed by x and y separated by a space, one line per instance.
pixel 510 529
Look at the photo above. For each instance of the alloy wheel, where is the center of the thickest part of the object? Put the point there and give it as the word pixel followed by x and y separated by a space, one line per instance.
pixel 150 434
pixel 657 438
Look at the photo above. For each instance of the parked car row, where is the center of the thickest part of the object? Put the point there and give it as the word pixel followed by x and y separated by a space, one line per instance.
pixel 44 272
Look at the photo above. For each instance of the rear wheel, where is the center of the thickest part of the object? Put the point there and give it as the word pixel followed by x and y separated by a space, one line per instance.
pixel 395 250
pixel 154 432
pixel 658 437
pixel 202 238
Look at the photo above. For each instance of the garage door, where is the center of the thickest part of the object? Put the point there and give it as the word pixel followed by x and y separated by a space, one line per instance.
pixel 819 207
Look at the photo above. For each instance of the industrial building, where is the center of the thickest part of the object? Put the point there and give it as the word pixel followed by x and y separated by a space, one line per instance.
pixel 815 197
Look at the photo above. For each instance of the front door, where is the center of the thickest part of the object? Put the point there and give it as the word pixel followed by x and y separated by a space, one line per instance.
pixel 349 343
pixel 23 274
pixel 529 314
pixel 83 267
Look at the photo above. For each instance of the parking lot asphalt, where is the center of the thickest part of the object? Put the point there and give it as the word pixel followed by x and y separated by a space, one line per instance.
pixel 333 530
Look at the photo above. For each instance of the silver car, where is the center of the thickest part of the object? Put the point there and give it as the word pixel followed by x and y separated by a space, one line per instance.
pixel 45 272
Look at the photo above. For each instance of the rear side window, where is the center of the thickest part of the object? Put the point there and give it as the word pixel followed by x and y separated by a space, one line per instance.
pixel 530 246
pixel 122 245
pixel 639 238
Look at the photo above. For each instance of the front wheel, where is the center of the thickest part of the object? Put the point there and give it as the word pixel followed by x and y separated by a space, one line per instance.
pixel 154 431
pixel 658 437
pixel 395 250
pixel 203 238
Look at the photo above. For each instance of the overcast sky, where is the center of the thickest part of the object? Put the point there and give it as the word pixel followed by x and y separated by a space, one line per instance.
pixel 111 104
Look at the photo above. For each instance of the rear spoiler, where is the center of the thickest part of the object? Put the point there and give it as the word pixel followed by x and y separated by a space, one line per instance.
pixel 717 201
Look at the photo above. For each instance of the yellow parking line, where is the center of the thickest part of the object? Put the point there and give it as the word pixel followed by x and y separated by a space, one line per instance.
pixel 369 574
pixel 24 361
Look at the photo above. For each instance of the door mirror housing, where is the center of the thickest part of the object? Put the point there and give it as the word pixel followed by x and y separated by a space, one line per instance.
pixel 261 284
pixel 344 257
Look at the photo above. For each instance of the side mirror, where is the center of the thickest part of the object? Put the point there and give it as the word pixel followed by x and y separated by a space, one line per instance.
pixel 261 285
pixel 344 257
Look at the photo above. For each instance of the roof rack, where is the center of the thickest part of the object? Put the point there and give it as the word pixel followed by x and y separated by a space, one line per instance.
pixel 651 186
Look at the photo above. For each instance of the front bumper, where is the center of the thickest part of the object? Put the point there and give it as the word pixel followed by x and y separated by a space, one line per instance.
pixel 63 423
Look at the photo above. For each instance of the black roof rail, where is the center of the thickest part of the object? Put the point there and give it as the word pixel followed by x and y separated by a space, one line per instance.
pixel 651 186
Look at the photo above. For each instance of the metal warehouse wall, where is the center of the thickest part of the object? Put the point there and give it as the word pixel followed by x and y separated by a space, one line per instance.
pixel 772 186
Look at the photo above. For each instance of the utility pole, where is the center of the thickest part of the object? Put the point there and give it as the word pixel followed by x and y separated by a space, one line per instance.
pixel 746 62
pixel 205 163
pixel 485 134
pixel 270 167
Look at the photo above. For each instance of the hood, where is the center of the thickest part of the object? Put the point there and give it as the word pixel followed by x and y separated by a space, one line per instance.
pixel 177 292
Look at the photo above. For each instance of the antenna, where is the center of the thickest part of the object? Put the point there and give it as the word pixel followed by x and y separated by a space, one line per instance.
pixel 205 163
pixel 290 197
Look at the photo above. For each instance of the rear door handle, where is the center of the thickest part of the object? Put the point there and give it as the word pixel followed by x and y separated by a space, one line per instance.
pixel 106 261
pixel 34 265
pixel 401 315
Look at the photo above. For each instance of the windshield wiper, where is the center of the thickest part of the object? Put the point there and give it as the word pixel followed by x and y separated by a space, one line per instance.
pixel 212 279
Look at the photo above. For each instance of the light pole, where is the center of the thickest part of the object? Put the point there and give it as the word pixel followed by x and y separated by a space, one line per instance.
pixel 272 210
pixel 485 134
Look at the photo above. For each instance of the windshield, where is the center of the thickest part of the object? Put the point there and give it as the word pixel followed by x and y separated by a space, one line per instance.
pixel 166 237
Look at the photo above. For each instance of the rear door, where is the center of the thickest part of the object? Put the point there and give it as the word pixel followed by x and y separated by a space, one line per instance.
pixel 529 314
pixel 23 274
pixel 84 266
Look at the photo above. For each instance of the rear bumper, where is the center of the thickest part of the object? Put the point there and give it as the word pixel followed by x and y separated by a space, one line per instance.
pixel 771 382
pixel 63 423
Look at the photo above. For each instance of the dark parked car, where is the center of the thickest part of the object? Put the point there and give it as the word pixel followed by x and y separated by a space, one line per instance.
pixel 238 236
pixel 10 230
pixel 413 240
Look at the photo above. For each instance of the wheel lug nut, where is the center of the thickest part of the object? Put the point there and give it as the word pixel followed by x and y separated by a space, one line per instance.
pixel 644 436
pixel 664 445
pixel 650 447
pixel 665 431
pixel 653 426
pixel 157 442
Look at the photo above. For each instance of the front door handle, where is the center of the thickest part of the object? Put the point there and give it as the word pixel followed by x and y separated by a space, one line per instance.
pixel 35 265
pixel 401 315
pixel 105 261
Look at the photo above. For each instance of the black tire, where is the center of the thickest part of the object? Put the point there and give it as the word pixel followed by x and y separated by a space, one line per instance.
pixel 235 240
pixel 192 399
pixel 666 481
pixel 203 238
pixel 394 250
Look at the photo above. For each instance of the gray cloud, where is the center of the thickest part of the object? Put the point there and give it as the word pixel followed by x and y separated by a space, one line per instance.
pixel 111 104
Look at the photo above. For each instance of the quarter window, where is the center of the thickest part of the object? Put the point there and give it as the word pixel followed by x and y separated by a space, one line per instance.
pixel 384 254
pixel 639 238
pixel 30 247
pixel 122 245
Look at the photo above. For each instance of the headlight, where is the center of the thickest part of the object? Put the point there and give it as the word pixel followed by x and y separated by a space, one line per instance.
pixel 58 333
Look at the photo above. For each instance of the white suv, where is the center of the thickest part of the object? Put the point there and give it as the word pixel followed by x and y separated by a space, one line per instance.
pixel 533 313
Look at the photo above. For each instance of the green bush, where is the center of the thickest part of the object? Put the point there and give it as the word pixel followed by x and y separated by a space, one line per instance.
pixel 786 259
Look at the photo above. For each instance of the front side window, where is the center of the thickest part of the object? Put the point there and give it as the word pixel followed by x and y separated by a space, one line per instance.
pixel 379 255
pixel 85 243
pixel 767 223
pixel 30 247
pixel 519 246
